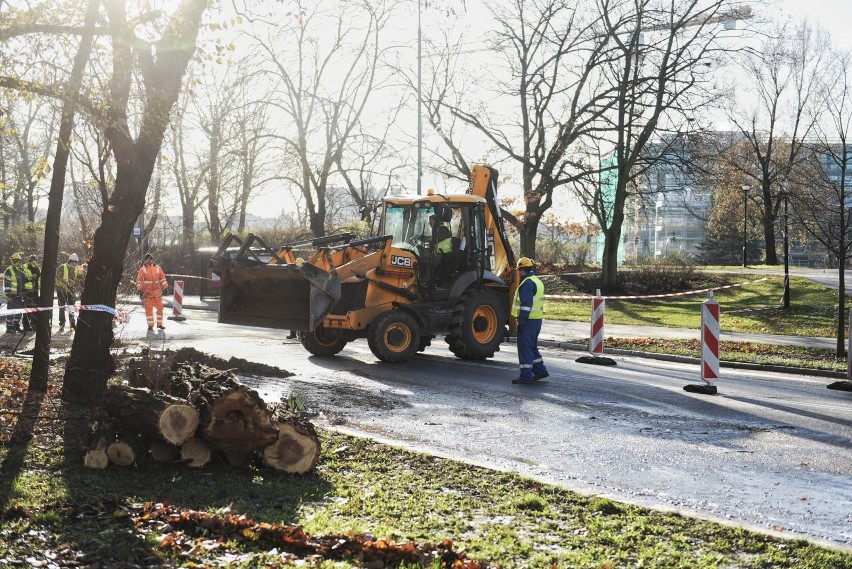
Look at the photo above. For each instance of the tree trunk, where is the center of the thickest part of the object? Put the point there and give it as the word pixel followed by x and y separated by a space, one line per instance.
pixel 609 262
pixel 91 364
pixel 841 292
pixel 769 239
pixel 528 232
pixel 41 355
pixel 234 418
pixel 154 415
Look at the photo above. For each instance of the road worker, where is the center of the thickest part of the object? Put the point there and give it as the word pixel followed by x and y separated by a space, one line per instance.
pixel 151 283
pixel 32 285
pixel 528 309
pixel 13 285
pixel 68 283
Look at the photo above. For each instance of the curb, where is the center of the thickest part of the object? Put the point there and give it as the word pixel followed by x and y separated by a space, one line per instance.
pixel 691 360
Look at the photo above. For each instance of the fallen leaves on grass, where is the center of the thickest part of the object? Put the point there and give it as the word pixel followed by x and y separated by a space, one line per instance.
pixel 188 533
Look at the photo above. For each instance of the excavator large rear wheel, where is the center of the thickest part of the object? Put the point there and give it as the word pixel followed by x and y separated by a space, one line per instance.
pixel 478 325
pixel 394 337
pixel 320 343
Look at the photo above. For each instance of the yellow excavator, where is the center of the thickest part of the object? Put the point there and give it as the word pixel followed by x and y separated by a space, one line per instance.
pixel 441 265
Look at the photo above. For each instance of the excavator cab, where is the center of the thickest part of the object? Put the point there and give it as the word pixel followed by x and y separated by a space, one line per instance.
pixel 447 239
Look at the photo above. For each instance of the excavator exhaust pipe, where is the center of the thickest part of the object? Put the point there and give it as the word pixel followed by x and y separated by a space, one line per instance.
pixel 277 296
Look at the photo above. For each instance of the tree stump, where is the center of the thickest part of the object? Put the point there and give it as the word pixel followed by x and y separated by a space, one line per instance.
pixel 154 415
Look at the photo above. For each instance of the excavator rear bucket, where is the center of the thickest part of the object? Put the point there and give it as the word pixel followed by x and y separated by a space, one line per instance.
pixel 277 296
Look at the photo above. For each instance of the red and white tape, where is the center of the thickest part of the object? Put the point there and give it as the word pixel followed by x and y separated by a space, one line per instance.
pixel 645 296
pixel 123 316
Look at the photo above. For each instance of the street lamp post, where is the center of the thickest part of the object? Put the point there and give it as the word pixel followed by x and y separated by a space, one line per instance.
pixel 746 188
pixel 786 300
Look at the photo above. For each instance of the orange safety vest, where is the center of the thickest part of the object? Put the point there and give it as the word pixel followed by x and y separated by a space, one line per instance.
pixel 151 280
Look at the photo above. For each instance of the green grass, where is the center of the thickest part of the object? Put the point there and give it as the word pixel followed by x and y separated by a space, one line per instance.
pixel 54 504
pixel 813 310
pixel 742 352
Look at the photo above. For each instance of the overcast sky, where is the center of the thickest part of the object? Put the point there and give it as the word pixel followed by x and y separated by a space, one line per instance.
pixel 833 15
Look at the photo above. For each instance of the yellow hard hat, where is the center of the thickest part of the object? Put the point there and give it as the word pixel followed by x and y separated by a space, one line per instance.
pixel 16 257
pixel 526 263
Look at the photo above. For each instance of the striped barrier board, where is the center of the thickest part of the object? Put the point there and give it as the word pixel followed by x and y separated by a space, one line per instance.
pixel 596 337
pixel 177 302
pixel 710 340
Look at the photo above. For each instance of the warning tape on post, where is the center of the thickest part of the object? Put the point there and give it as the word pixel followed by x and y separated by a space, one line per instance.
pixel 647 296
pixel 118 314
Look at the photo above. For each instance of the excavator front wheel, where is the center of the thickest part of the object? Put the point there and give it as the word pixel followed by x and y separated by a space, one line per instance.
pixel 394 337
pixel 320 343
pixel 478 325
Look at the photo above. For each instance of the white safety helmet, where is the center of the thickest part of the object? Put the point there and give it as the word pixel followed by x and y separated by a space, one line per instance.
pixel 73 257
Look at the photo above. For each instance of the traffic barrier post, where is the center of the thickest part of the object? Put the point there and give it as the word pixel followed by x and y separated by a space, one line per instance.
pixel 596 336
pixel 177 302
pixel 710 330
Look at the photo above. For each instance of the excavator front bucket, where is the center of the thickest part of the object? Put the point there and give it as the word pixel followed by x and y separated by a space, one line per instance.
pixel 277 296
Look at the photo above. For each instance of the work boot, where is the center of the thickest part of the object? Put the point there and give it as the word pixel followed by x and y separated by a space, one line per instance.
pixel 541 375
pixel 150 328
pixel 161 327
pixel 62 327
pixel 524 380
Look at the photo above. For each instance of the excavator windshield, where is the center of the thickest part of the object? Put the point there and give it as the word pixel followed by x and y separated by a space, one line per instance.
pixel 408 223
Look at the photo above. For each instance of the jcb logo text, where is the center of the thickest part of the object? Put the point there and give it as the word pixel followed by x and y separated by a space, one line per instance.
pixel 400 261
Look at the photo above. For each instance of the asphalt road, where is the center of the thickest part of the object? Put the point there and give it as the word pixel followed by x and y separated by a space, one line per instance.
pixel 771 451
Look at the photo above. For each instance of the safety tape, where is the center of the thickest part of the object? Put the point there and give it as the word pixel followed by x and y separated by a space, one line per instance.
pixel 190 277
pixel 120 315
pixel 644 296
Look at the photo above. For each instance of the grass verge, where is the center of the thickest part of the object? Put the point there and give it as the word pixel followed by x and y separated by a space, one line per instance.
pixel 53 510
pixel 743 352
pixel 754 308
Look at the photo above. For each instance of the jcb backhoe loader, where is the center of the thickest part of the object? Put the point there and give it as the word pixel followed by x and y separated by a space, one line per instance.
pixel 441 265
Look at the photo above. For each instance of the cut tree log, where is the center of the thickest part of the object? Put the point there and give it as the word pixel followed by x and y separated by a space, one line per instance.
pixel 234 418
pixel 195 453
pixel 96 458
pixel 297 448
pixel 120 453
pixel 152 414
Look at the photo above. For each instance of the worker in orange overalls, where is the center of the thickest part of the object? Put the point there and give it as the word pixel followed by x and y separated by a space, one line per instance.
pixel 151 283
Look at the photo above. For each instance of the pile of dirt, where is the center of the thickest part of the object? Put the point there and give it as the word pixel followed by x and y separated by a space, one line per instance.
pixel 245 367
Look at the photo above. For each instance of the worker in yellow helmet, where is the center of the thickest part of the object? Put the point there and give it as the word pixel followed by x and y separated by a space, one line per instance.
pixel 528 309
pixel 14 282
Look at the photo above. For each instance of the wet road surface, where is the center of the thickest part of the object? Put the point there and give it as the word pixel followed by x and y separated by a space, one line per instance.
pixel 771 451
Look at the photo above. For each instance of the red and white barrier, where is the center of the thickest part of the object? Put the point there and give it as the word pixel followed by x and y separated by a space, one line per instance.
pixel 177 302
pixel 596 337
pixel 710 340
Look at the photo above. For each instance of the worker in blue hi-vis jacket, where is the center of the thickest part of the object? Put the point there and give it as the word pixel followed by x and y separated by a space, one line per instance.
pixel 528 309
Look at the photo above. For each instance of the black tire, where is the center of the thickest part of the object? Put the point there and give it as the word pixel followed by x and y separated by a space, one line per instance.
pixel 425 342
pixel 478 325
pixel 320 343
pixel 394 337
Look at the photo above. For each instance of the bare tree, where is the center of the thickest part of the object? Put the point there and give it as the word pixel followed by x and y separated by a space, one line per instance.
pixel 551 51
pixel 662 79
pixel 821 189
pixel 29 130
pixel 324 77
pixel 776 116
